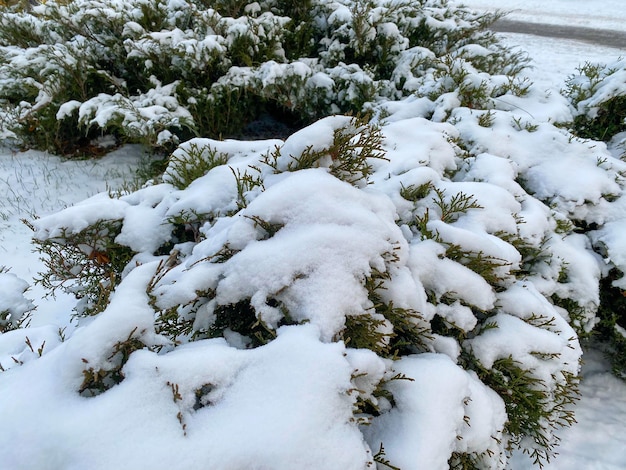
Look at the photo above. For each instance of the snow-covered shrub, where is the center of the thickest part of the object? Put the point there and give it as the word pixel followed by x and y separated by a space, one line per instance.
pixel 612 325
pixel 85 253
pixel 16 4
pixel 403 292
pixel 598 94
pixel 444 258
pixel 157 71
pixel 67 78
pixel 13 305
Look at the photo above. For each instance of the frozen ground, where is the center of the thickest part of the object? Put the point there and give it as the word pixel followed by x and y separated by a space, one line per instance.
pixel 34 183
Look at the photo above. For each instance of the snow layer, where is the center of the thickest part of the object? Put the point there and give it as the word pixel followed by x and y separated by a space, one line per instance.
pixel 253 416
pixel 79 432
pixel 600 14
pixel 13 304
pixel 438 394
pixel 298 246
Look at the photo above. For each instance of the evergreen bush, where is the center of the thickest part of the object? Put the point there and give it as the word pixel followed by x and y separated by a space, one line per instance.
pixel 418 243
pixel 158 72
pixel 205 258
pixel 598 96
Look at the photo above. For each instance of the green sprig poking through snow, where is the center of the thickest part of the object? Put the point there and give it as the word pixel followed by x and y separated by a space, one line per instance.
pixel 598 96
pixel 14 307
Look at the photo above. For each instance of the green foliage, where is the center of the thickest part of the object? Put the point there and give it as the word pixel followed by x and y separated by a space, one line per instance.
pixel 486 119
pixel 612 326
pixel 533 411
pixel 465 461
pixel 190 163
pixel 600 104
pixel 99 380
pixel 388 330
pixel 241 318
pixel 487 266
pixel 416 193
pixel 348 157
pixel 352 149
pixel 156 73
pixel 88 264
pixel 524 126
pixel 186 228
pixel 610 120
pixel 577 317
pixel 410 332
pixel 366 331
pixel 246 183
pixel 460 74
pixel 532 253
pixel 451 208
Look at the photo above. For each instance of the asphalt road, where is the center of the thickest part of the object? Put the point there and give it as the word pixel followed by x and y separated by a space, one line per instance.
pixel 601 37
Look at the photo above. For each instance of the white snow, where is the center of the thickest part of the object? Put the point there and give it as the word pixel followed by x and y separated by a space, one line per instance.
pixel 601 14
pixel 431 398
pixel 289 404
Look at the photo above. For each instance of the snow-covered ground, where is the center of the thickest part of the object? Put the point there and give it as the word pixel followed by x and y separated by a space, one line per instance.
pixel 599 14
pixel 33 183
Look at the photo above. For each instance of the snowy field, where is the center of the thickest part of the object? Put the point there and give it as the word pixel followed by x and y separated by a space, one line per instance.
pixel 33 183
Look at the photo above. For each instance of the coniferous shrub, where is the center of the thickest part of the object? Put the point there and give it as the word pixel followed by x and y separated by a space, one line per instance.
pixel 409 241
pixel 205 259
pixel 159 72
pixel 598 95
pixel 611 330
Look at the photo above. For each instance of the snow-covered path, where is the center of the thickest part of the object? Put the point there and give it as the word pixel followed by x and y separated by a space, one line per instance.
pixel 600 14
pixel 600 37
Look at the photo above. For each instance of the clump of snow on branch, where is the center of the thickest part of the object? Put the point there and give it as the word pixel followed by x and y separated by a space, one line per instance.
pixel 13 304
